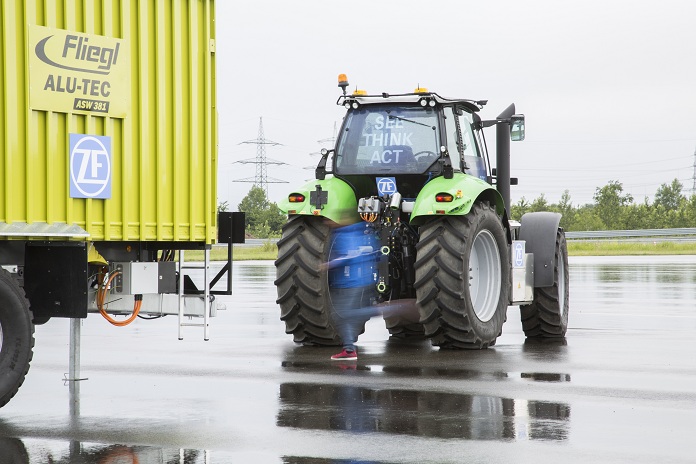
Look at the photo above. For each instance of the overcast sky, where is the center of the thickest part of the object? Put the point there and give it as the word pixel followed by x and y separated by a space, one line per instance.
pixel 608 88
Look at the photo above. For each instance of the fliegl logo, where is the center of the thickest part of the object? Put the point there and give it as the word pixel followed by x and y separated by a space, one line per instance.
pixel 73 71
pixel 76 49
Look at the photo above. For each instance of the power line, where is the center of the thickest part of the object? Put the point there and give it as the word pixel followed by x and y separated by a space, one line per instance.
pixel 591 177
pixel 607 142
pixel 604 166
pixel 330 139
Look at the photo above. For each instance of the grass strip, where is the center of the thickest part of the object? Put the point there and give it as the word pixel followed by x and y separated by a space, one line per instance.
pixel 623 248
pixel 267 251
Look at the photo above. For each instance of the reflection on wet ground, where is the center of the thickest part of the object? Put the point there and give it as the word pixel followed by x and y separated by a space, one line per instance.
pixel 251 395
pixel 305 460
pixel 634 280
pixel 420 413
pixel 544 377
pixel 17 451
pixel 395 371
pixel 430 372
pixel 29 451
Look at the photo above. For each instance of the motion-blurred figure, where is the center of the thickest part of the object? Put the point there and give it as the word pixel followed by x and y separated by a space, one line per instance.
pixel 352 273
pixel 351 279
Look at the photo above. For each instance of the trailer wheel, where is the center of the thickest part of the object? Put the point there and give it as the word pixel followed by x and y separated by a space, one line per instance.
pixel 547 316
pixel 13 451
pixel 16 337
pixel 462 278
pixel 302 284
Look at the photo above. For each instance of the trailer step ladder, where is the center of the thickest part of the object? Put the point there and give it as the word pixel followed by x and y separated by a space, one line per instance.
pixel 206 295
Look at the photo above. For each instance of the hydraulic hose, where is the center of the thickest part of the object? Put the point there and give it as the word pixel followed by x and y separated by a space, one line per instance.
pixel 101 297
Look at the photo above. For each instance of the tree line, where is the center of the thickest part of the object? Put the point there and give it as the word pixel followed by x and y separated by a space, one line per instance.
pixel 262 218
pixel 612 209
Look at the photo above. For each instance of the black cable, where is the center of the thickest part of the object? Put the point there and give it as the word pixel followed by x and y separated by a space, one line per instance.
pixel 151 318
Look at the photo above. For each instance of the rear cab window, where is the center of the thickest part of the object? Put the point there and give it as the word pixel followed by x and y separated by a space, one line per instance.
pixel 388 139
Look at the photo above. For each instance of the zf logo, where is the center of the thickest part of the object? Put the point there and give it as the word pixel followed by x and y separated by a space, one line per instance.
pixel 386 185
pixel 90 166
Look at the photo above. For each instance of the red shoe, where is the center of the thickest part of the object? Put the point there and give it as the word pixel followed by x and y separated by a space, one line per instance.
pixel 345 355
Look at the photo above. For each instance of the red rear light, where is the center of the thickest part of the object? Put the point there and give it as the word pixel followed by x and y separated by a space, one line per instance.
pixel 296 198
pixel 443 198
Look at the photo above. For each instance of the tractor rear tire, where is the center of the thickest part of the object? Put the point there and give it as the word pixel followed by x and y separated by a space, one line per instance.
pixel 547 316
pixel 16 337
pixel 302 282
pixel 463 278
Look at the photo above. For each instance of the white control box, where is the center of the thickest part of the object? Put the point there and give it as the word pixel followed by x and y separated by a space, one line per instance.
pixel 135 278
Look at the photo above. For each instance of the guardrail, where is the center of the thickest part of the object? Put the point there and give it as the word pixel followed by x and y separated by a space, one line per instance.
pixel 685 234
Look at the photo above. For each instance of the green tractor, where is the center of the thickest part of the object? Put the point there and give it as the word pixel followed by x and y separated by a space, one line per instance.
pixel 415 168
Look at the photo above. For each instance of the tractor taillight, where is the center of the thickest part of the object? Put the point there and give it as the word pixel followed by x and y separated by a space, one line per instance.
pixel 444 198
pixel 296 198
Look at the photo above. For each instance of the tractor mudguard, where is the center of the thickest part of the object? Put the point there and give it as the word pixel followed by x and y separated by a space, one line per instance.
pixel 331 198
pixel 464 188
pixel 539 231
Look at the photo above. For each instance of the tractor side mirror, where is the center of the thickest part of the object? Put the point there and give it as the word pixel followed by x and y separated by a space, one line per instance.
pixel 517 127
pixel 320 171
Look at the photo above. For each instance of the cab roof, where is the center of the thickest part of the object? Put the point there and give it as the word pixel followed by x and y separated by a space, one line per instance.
pixel 362 99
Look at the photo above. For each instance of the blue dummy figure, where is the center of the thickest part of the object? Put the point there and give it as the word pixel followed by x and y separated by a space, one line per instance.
pixel 352 280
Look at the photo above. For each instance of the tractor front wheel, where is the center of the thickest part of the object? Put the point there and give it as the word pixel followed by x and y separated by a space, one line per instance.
pixel 547 316
pixel 462 278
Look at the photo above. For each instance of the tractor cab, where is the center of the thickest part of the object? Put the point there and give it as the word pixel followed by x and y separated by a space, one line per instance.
pixel 408 138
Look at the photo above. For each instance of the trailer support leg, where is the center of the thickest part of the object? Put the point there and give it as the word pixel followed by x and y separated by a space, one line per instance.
pixel 75 336
pixel 73 378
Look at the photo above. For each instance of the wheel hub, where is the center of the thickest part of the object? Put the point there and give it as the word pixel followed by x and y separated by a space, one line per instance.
pixel 484 275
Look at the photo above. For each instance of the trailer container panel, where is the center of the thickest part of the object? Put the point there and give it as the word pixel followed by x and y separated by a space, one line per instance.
pixel 108 118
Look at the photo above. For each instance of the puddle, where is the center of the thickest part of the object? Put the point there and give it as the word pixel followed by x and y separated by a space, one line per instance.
pixel 420 413
pixel 26 451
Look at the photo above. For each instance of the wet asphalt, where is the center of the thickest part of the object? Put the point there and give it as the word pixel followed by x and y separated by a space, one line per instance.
pixel 621 388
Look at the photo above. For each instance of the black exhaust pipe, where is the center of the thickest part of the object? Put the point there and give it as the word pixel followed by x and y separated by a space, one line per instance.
pixel 502 156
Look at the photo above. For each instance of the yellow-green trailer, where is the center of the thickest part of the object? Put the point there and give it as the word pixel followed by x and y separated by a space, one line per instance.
pixel 108 165
pixel 139 72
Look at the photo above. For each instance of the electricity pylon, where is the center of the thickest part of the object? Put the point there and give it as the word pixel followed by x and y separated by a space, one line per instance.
pixel 261 178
